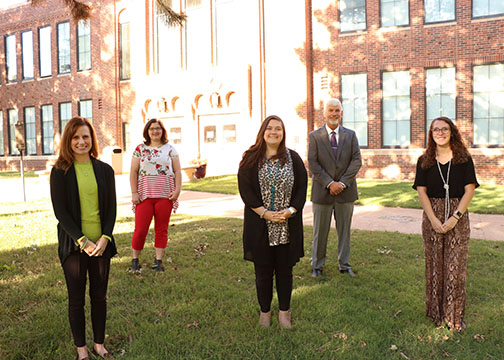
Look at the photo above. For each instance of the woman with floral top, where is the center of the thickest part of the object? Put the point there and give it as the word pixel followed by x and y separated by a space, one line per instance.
pixel 155 180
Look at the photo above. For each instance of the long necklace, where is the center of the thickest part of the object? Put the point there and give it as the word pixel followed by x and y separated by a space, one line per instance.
pixel 273 181
pixel 447 189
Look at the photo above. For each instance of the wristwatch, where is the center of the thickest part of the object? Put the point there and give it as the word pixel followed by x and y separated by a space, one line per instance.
pixel 291 211
pixel 458 215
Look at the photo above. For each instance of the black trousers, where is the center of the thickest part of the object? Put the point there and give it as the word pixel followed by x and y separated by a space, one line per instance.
pixel 76 267
pixel 283 276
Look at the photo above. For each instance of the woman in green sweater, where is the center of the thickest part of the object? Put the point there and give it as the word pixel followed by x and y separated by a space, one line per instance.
pixel 84 201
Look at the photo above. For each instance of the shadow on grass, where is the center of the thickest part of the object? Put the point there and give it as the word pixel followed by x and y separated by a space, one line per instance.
pixel 204 305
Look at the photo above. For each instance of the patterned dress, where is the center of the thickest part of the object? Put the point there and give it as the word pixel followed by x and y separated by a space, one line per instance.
pixel 156 178
pixel 276 184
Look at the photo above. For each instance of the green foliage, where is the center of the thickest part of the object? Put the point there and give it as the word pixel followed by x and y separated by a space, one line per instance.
pixel 372 192
pixel 204 306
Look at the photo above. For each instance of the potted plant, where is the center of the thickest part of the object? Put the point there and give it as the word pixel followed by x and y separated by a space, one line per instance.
pixel 196 169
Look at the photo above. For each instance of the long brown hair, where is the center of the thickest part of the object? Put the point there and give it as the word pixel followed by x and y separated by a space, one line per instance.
pixel 459 150
pixel 164 137
pixel 257 152
pixel 66 156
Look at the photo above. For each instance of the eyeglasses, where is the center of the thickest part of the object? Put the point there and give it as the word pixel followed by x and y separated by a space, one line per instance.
pixel 155 129
pixel 444 130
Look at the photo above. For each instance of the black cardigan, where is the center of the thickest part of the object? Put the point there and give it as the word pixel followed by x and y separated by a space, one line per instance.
pixel 66 205
pixel 256 246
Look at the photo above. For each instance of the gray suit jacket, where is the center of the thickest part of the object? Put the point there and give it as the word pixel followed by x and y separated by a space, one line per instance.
pixel 326 168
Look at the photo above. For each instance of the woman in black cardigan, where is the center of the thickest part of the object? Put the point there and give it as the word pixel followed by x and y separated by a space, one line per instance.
pixel 84 201
pixel 272 181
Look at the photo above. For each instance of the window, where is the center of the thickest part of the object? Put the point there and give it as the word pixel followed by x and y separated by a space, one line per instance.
pixel 210 134
pixel 488 111
pixel 47 129
pixel 439 10
pixel 65 114
pixel 487 7
pixel 12 115
pixel 352 15
pixel 175 135
pixel 227 32
pixel 394 12
pixel 440 94
pixel 354 94
pixel 124 46
pixel 83 45
pixel 198 45
pixel 229 132
pixel 30 131
pixel 396 108
pixel 126 136
pixel 10 55
pixel 45 51
pixel 86 109
pixel 64 48
pixel 27 50
pixel 2 151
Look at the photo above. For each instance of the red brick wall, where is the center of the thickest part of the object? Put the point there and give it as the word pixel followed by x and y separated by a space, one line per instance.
pixel 463 43
pixel 97 84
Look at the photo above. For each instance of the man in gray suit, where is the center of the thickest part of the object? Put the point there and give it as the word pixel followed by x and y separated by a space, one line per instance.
pixel 334 159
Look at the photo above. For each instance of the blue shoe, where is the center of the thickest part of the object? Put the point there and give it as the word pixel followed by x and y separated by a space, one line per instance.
pixel 316 272
pixel 348 271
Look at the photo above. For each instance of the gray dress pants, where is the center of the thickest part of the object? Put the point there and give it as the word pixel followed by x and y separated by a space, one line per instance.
pixel 322 214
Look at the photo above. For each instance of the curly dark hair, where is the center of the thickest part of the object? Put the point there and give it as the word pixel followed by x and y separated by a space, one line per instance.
pixel 257 152
pixel 459 150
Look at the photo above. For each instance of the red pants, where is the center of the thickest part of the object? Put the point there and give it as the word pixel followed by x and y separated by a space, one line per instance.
pixel 161 210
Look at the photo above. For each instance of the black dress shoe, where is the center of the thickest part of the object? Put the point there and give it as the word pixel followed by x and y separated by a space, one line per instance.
pixel 348 271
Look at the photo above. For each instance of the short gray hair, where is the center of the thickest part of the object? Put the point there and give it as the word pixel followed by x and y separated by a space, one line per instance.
pixel 332 102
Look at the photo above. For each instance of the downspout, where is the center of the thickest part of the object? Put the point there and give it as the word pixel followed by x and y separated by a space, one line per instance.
pixel 309 68
pixel 119 139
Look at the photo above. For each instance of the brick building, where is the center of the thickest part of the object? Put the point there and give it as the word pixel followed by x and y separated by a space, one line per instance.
pixel 53 68
pixel 395 64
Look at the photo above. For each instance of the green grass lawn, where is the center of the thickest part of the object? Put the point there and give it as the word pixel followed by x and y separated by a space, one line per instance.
pixel 204 306
pixel 487 200
pixel 16 174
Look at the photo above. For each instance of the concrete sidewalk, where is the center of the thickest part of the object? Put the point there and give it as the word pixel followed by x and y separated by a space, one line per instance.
pixel 374 218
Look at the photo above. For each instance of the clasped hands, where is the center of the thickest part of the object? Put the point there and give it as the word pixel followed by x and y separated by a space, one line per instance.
pixel 277 216
pixel 443 228
pixel 336 188
pixel 97 249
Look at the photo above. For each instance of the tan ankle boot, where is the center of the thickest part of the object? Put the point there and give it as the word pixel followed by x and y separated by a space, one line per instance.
pixel 265 319
pixel 284 319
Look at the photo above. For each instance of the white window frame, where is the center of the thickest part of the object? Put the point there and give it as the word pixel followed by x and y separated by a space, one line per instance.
pixel 64 116
pixel 86 109
pixel 2 150
pixel 47 122
pixel 394 6
pixel 488 104
pixel 349 9
pixel 10 60
pixel 355 110
pixel 27 54
pixel 12 118
pixel 30 130
pixel 440 94
pixel 45 53
pixel 487 8
pixel 436 10
pixel 396 96
pixel 83 45
pixel 64 52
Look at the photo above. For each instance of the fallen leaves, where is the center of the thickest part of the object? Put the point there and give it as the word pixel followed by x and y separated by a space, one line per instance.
pixel 199 250
pixel 194 324
pixel 384 250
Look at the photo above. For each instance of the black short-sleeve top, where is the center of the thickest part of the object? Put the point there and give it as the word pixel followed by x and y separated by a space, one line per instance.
pixel 460 175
